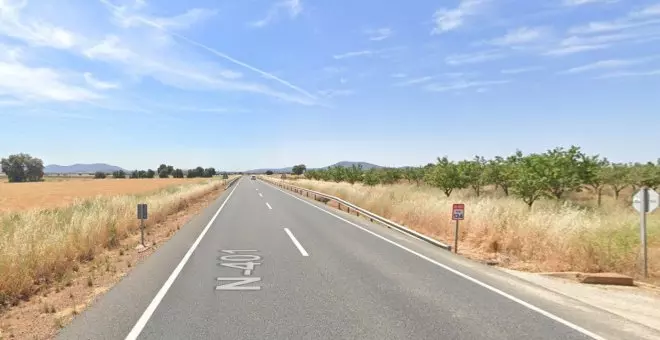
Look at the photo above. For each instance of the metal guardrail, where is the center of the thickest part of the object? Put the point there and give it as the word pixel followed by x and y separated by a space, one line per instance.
pixel 364 212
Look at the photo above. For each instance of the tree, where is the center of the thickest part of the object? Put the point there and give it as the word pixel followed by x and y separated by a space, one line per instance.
pixel 474 173
pixel 150 174
pixel 135 174
pixel 446 176
pixel 414 174
pixel 163 173
pixel 23 168
pixel 531 182
pixel 562 169
pixel 178 173
pixel 501 172
pixel 370 177
pixel 645 175
pixel 119 174
pixel 99 175
pixel 298 169
pixel 269 172
pixel 592 173
pixel 354 173
pixel 617 177
pixel 209 172
pixel 170 170
pixel 161 168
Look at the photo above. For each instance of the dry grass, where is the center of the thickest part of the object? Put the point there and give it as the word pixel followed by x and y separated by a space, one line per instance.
pixel 575 235
pixel 63 192
pixel 42 246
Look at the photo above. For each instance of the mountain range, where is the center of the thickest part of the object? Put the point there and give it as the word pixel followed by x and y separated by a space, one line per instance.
pixel 346 164
pixel 80 168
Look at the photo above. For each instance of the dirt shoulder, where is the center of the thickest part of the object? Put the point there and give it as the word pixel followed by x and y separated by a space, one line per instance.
pixel 55 305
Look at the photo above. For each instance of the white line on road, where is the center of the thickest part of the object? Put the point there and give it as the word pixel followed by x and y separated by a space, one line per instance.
pixel 455 271
pixel 269 207
pixel 137 329
pixel 295 241
pixel 260 195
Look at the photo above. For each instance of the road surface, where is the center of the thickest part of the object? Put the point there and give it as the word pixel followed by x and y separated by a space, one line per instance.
pixel 261 263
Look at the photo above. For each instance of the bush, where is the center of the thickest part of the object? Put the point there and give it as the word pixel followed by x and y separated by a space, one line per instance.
pixel 99 175
pixel 163 174
pixel 150 174
pixel 269 172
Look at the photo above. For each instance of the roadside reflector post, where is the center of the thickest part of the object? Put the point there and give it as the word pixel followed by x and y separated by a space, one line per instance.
pixel 142 215
pixel 457 214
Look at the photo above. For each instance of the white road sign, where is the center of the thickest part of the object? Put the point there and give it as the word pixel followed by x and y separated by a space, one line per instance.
pixel 653 199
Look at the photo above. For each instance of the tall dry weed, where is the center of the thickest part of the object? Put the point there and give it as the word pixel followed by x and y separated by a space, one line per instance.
pixel 553 236
pixel 41 246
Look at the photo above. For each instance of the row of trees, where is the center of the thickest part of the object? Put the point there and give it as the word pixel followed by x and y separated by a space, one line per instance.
pixel 164 171
pixel 23 168
pixel 554 174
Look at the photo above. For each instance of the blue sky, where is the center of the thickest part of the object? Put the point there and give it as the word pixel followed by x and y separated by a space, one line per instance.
pixel 241 84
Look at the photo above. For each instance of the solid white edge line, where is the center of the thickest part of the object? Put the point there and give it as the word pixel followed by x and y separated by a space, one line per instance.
pixel 296 243
pixel 139 325
pixel 465 276
pixel 269 207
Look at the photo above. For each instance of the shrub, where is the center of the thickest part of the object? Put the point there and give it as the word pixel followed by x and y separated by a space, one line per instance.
pixel 99 175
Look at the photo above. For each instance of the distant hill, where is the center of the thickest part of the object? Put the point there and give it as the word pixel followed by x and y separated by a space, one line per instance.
pixel 80 168
pixel 346 164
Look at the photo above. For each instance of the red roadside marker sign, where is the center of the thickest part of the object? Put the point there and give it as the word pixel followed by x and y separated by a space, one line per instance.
pixel 458 212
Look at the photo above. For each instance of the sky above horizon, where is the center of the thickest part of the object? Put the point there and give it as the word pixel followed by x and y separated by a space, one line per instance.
pixel 243 84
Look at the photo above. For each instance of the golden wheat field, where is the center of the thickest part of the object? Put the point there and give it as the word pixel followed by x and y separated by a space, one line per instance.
pixel 49 226
pixel 51 194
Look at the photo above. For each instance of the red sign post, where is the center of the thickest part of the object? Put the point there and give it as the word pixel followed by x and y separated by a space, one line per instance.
pixel 457 214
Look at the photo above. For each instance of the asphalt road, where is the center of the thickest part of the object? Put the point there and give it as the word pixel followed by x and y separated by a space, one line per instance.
pixel 315 273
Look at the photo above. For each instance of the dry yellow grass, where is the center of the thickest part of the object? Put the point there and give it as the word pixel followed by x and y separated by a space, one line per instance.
pixel 48 194
pixel 41 245
pixel 550 237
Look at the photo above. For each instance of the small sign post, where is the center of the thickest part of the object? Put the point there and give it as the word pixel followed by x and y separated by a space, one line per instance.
pixel 142 215
pixel 645 201
pixel 457 214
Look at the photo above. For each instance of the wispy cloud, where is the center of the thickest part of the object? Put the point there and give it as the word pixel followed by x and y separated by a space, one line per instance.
pixel 335 93
pixel 355 54
pixel 647 16
pixel 379 34
pixel 98 84
pixel 183 71
pixel 519 36
pixel 629 74
pixel 450 19
pixel 130 16
pixel 473 58
pixel 606 64
pixel 292 7
pixel 398 75
pixel 41 84
pixel 521 70
pixel 34 32
pixel 587 2
pixel 462 85
pixel 415 81
pixel 566 50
